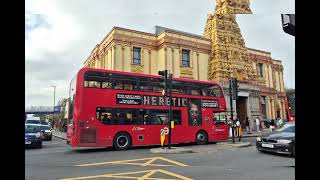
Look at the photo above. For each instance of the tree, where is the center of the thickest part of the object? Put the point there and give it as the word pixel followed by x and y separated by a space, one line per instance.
pixel 62 103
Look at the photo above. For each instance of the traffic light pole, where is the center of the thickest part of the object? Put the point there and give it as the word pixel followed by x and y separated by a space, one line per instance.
pixel 170 109
pixel 231 107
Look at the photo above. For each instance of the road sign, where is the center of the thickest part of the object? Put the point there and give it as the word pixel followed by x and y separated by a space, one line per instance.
pixel 162 136
pixel 166 130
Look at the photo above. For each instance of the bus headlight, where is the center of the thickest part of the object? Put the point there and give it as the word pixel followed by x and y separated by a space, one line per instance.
pixel 258 139
pixel 284 141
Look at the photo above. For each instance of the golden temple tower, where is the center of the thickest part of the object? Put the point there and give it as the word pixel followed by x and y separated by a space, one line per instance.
pixel 229 56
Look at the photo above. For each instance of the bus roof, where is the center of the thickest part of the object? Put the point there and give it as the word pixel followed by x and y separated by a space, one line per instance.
pixel 83 70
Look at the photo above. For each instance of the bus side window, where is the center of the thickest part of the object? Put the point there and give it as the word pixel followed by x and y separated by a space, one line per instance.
pixel 215 91
pixel 137 117
pixel 177 117
pixel 195 91
pixel 204 92
pixel 145 86
pixel 92 84
pixel 118 84
pixel 106 84
pixel 104 115
pixel 155 84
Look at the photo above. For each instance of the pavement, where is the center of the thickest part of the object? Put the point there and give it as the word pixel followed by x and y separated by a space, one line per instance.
pixel 63 135
pixel 57 160
pixel 58 134
pixel 173 150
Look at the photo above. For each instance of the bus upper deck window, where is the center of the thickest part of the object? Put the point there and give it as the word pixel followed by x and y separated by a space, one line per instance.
pixel 106 85
pixel 215 91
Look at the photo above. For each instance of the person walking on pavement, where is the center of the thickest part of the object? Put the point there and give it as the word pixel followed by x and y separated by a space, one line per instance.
pixel 258 124
pixel 230 127
pixel 247 123
pixel 238 129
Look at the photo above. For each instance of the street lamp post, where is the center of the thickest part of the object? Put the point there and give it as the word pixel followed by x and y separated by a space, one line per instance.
pixel 54 101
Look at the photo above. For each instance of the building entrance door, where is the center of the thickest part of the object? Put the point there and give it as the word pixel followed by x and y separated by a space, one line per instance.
pixel 242 110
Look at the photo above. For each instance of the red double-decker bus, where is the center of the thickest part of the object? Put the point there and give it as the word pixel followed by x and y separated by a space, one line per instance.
pixel 122 109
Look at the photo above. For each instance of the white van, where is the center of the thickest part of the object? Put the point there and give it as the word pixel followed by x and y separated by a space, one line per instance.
pixel 33 120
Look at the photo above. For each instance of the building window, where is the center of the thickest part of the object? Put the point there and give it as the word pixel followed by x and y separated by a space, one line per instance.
pixel 186 58
pixel 263 107
pixel 260 70
pixel 136 56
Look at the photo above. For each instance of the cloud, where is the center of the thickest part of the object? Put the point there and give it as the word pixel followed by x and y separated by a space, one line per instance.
pixel 61 34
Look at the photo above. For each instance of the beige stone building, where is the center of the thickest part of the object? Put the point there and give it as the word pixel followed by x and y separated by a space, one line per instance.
pixel 217 56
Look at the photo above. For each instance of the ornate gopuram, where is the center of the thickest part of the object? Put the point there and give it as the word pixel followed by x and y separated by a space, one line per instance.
pixel 230 58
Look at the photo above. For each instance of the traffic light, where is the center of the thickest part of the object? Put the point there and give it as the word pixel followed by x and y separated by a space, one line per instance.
pixel 164 73
pixel 288 23
pixel 235 87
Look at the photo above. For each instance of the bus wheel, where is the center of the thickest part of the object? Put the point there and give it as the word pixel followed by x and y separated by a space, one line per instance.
pixel 121 141
pixel 201 137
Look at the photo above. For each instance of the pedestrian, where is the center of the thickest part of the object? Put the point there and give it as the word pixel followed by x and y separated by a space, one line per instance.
pixel 247 123
pixel 271 125
pixel 258 124
pixel 230 127
pixel 262 125
pixel 238 128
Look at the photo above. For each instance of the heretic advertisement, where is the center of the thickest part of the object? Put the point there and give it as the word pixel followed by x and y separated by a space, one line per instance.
pixel 194 112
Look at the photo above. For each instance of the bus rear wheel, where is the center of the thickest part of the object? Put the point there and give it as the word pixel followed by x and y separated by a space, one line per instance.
pixel 122 141
pixel 201 137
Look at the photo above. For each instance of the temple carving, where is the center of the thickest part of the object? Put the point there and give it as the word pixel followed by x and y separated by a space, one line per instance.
pixel 229 56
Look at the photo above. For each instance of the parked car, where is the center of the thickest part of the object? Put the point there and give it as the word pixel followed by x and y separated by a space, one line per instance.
pixel 280 141
pixel 46 132
pixel 33 135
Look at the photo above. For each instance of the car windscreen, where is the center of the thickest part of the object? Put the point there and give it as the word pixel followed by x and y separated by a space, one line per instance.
pixel 33 121
pixel 31 129
pixel 287 128
pixel 45 128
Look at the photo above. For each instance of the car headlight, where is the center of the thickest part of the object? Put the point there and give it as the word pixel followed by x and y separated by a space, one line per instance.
pixel 47 131
pixel 284 141
pixel 38 134
pixel 258 139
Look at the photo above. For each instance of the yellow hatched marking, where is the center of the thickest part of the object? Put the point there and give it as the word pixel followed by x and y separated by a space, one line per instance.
pixel 174 174
pixel 144 177
pixel 132 162
pixel 114 162
pixel 147 175
pixel 173 162
pixel 149 162
pixel 110 175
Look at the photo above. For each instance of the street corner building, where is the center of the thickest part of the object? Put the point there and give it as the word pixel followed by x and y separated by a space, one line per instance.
pixel 218 55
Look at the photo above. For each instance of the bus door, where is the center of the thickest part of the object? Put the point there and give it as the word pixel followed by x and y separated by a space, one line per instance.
pixel 155 120
pixel 220 125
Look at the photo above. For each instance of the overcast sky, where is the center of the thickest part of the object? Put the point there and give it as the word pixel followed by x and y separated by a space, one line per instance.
pixel 60 34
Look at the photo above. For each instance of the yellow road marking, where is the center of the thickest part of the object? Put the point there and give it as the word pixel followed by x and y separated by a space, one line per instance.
pixel 147 175
pixel 133 162
pixel 149 162
pixel 173 162
pixel 113 162
pixel 173 174
pixel 144 177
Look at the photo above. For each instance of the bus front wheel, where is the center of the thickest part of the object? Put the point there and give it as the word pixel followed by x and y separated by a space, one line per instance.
pixel 122 141
pixel 201 137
